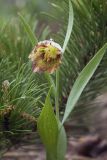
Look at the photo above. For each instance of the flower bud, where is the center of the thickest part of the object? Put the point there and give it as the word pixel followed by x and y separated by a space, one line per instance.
pixel 46 56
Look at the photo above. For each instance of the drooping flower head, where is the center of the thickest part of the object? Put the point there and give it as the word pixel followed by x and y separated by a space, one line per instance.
pixel 46 56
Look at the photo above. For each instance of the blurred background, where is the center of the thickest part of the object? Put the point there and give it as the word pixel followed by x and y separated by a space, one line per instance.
pixel 9 8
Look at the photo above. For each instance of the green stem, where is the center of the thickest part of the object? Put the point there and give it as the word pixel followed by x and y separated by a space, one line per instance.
pixel 50 82
pixel 55 90
pixel 57 95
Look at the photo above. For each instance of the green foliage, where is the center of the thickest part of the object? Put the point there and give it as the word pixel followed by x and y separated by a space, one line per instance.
pixel 48 128
pixel 82 81
pixel 88 36
pixel 61 143
pixel 69 28
pixel 20 104
pixel 52 134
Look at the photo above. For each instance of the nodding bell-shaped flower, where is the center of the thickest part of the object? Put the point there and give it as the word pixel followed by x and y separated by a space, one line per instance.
pixel 46 56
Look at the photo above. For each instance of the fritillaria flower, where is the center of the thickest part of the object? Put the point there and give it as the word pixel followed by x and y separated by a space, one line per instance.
pixel 46 56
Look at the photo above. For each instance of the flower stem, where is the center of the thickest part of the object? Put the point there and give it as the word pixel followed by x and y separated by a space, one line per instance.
pixel 50 82
pixel 57 95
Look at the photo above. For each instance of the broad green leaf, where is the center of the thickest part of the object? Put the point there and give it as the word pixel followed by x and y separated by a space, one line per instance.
pixel 28 30
pixel 69 27
pixel 61 143
pixel 82 81
pixel 48 128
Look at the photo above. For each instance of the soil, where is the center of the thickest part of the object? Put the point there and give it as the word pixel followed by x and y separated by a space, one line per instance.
pixel 85 148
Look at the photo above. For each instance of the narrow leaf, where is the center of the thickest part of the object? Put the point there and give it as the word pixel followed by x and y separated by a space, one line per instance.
pixel 82 81
pixel 28 30
pixel 69 28
pixel 48 128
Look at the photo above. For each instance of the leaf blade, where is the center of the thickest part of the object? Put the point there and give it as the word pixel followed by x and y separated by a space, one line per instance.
pixel 69 27
pixel 82 81
pixel 61 143
pixel 48 128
